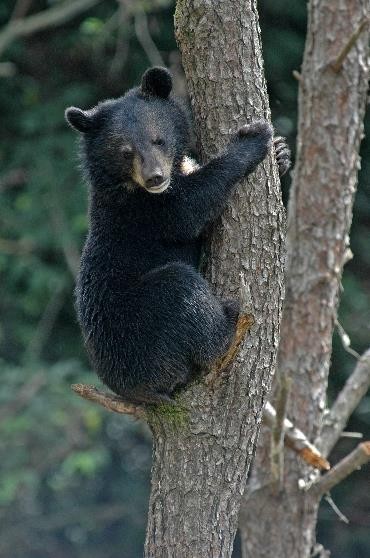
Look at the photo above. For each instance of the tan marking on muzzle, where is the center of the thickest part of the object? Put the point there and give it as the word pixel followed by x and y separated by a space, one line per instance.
pixel 136 172
pixel 164 164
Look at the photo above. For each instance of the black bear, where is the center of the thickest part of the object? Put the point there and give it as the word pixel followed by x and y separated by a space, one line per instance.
pixel 149 319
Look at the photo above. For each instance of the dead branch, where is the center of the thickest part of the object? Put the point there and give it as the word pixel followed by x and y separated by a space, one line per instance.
pixel 343 469
pixel 335 508
pixel 353 391
pixel 338 63
pixel 278 430
pixel 145 39
pixel 57 15
pixel 319 551
pixel 345 339
pixel 347 434
pixel 296 440
pixel 108 400
pixel 121 18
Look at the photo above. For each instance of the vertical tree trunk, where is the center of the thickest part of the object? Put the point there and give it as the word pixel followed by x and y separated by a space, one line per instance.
pixel 202 452
pixel 332 101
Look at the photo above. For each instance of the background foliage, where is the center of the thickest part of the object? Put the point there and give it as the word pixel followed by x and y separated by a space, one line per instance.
pixel 74 478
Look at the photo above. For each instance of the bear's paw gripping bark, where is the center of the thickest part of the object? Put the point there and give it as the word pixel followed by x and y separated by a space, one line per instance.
pixel 282 154
pixel 258 128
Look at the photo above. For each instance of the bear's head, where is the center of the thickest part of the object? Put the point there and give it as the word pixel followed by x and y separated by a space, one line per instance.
pixel 137 140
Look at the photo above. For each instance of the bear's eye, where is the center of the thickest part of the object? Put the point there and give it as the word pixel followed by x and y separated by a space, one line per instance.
pixel 158 141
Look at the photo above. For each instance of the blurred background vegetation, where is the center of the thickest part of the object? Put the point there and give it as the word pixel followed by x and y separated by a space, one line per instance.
pixel 74 478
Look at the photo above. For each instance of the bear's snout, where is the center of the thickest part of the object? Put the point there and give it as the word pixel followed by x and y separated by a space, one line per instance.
pixel 154 180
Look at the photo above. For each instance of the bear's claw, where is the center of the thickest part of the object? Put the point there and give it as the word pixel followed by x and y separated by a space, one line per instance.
pixel 282 154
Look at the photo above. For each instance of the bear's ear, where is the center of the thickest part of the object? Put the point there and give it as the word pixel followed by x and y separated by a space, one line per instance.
pixel 157 81
pixel 80 120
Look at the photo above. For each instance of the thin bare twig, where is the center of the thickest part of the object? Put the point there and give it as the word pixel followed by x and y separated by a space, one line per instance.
pixel 346 341
pixel 108 400
pixel 338 63
pixel 353 391
pixel 319 551
pixel 278 431
pixel 347 434
pixel 343 469
pixel 122 42
pixel 296 440
pixel 51 17
pixel 145 39
pixel 335 508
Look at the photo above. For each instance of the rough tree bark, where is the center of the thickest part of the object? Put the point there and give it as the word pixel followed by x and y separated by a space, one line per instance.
pixel 332 100
pixel 202 451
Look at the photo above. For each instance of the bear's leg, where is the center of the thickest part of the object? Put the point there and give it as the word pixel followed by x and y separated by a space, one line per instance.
pixel 144 395
pixel 182 327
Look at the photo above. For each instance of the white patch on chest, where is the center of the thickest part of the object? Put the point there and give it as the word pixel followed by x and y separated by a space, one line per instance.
pixel 188 165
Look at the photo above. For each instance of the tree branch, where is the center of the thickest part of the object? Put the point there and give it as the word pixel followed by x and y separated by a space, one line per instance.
pixel 51 17
pixel 145 39
pixel 296 440
pixel 338 63
pixel 345 339
pixel 278 431
pixel 108 400
pixel 353 391
pixel 335 508
pixel 343 469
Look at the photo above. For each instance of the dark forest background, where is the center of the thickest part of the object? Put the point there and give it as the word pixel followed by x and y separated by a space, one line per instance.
pixel 74 478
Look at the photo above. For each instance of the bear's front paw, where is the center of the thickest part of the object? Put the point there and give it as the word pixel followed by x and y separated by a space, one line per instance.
pixel 249 146
pixel 282 154
pixel 260 129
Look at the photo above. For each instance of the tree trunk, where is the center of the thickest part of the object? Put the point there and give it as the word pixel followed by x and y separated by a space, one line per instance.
pixel 332 102
pixel 202 451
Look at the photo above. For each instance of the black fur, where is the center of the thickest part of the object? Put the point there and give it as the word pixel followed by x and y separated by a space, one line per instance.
pixel 157 82
pixel 282 153
pixel 149 319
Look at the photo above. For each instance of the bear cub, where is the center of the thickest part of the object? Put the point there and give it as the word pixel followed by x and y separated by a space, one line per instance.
pixel 149 319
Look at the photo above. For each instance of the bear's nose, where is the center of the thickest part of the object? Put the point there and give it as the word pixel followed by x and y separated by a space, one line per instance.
pixel 154 180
